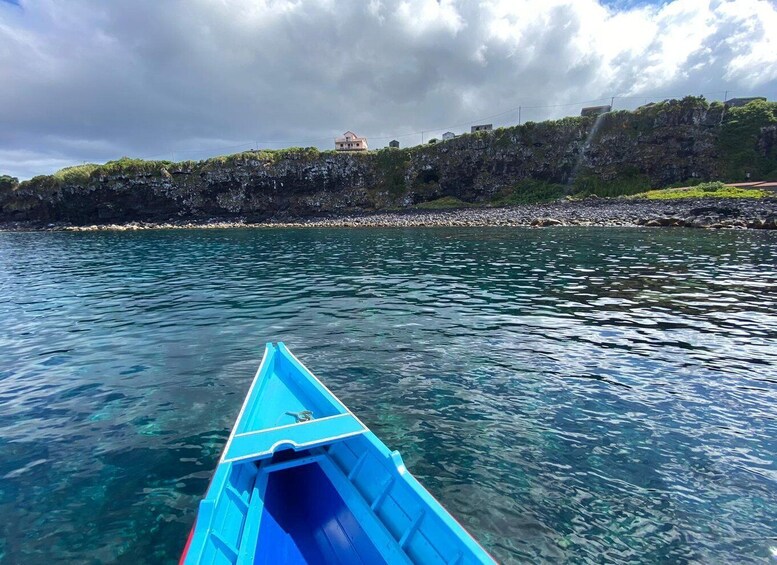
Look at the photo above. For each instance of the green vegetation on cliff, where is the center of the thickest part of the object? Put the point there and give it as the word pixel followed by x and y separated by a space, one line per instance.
pixel 8 182
pixel 675 142
pixel 391 165
pixel 631 181
pixel 748 141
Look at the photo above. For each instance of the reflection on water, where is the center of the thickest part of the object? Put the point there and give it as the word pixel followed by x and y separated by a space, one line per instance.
pixel 586 395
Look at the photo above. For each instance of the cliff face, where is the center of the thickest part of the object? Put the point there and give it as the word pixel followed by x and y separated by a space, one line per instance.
pixel 617 153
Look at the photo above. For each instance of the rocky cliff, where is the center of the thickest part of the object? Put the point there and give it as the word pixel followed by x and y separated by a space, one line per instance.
pixel 617 153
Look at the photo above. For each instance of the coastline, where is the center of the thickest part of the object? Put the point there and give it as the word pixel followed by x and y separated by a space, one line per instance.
pixel 712 213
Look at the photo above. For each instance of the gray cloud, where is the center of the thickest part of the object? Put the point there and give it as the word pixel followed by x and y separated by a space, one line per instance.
pixel 185 79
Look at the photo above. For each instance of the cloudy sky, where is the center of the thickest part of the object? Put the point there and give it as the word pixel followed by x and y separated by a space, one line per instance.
pixel 89 80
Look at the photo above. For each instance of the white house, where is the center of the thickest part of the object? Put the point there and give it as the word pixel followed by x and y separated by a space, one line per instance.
pixel 351 142
pixel 448 135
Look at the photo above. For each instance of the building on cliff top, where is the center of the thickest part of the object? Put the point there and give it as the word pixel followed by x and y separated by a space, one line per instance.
pixel 394 144
pixel 738 102
pixel 351 142
pixel 448 135
pixel 595 110
pixel 482 127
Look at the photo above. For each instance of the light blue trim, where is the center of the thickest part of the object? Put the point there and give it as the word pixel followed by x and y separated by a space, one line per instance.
pixel 251 529
pixel 256 445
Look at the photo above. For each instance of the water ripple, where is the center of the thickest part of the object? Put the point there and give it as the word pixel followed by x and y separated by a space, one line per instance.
pixel 570 395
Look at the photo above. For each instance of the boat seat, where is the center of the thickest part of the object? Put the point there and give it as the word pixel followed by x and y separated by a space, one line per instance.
pixel 304 434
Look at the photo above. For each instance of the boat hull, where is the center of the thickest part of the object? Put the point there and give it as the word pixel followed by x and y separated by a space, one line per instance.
pixel 302 480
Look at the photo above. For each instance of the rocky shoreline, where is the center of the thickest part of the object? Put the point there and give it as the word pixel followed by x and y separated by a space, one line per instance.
pixel 711 213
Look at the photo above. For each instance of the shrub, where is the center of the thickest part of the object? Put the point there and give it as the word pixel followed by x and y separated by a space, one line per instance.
pixel 711 186
pixel 8 182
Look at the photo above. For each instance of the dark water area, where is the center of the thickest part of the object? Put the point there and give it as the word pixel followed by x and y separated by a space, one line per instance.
pixel 570 395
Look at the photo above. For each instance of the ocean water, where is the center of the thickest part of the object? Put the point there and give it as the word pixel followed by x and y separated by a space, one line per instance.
pixel 570 395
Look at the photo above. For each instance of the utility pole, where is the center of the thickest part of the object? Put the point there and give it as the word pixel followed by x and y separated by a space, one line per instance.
pixel 725 97
pixel 612 102
pixel 422 138
pixel 519 115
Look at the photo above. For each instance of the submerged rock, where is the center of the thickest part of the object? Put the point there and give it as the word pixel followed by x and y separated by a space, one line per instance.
pixel 545 222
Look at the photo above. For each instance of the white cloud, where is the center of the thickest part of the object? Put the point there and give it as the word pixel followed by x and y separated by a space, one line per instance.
pixel 89 80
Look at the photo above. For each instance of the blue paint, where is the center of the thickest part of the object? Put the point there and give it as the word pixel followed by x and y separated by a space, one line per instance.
pixel 295 485
pixel 314 522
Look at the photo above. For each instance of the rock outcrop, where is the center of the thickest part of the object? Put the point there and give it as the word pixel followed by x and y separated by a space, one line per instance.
pixel 616 153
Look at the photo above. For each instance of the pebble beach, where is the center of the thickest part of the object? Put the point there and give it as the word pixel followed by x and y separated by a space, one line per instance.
pixel 711 213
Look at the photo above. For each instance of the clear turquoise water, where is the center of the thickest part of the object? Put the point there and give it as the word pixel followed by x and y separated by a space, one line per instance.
pixel 578 395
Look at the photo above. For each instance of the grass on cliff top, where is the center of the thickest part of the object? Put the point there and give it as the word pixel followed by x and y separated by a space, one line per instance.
pixel 125 165
pixel 269 155
pixel 704 190
pixel 77 173
pixel 128 166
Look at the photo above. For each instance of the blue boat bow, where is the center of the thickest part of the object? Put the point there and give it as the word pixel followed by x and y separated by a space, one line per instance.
pixel 303 480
